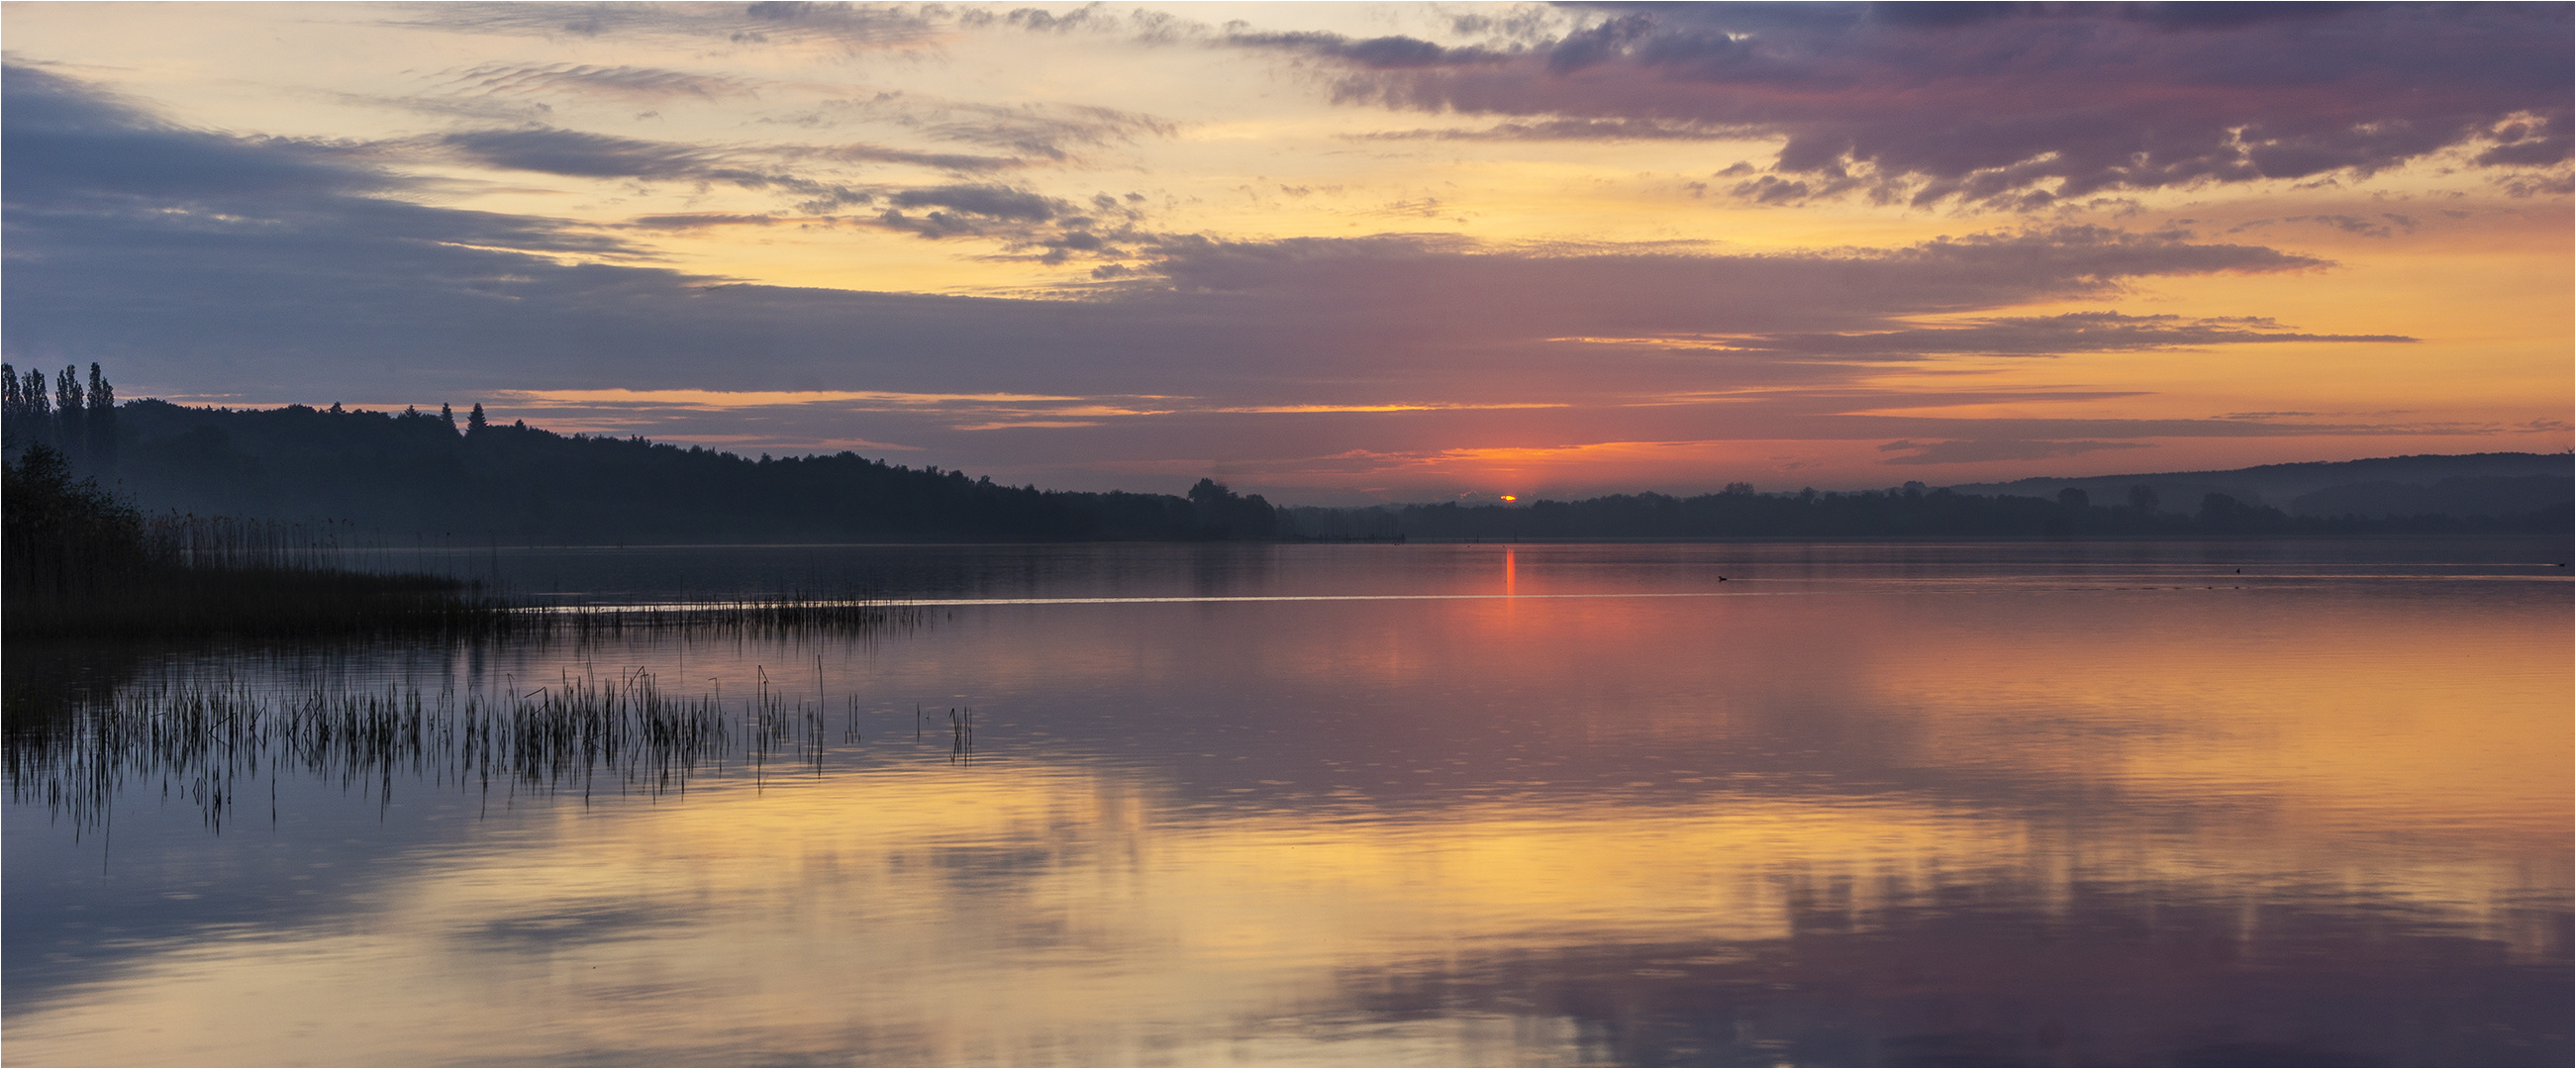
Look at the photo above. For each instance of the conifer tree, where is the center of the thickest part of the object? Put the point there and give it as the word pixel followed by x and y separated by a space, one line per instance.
pixel 474 423
pixel 447 416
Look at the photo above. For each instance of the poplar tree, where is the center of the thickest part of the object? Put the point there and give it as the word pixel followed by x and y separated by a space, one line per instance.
pixel 102 420
pixel 70 404
pixel 40 417
pixel 13 408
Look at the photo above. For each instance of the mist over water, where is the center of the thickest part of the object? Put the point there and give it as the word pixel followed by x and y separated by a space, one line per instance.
pixel 2042 803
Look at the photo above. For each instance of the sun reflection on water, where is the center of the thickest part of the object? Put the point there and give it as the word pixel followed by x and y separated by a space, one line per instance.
pixel 2047 825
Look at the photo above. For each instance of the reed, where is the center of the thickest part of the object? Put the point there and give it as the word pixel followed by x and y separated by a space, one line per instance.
pixel 781 615
pixel 578 735
pixel 245 602
pixel 79 563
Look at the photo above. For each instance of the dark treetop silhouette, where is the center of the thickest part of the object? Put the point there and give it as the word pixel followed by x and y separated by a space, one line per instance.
pixel 415 472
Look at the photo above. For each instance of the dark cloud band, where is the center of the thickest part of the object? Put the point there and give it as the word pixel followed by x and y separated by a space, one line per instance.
pixel 2019 105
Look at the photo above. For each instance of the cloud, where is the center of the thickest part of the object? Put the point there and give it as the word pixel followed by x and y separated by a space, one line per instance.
pixel 581 155
pixel 1036 131
pixel 1395 281
pixel 945 161
pixel 2265 415
pixel 699 221
pixel 719 399
pixel 752 24
pixel 2387 224
pixel 1049 131
pixel 1616 129
pixel 1965 452
pixel 622 82
pixel 1027 221
pixel 129 214
pixel 1378 53
pixel 195 262
pixel 85 161
pixel 2021 336
pixel 992 202
pixel 2020 107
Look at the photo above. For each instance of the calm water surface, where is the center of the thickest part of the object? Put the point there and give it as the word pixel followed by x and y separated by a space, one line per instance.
pixel 2064 803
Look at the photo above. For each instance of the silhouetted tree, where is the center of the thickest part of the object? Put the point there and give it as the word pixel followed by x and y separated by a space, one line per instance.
pixel 31 421
pixel 474 421
pixel 2143 498
pixel 71 404
pixel 1221 513
pixel 2074 498
pixel 38 410
pixel 57 535
pixel 447 416
pixel 101 418
pixel 13 408
pixel 2222 514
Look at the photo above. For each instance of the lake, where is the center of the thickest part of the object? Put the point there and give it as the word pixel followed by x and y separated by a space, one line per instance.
pixel 1765 804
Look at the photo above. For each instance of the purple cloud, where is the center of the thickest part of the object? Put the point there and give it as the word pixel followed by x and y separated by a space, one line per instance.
pixel 2021 107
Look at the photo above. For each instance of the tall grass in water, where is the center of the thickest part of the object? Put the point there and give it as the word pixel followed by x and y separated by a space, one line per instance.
pixel 786 614
pixel 74 561
pixel 211 746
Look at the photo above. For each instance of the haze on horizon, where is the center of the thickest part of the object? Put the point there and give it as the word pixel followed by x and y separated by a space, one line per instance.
pixel 1326 252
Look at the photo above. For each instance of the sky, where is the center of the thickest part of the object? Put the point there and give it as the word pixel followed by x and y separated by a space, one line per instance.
pixel 1331 253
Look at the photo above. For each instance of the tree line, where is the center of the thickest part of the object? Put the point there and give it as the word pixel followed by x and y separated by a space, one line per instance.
pixel 1909 511
pixel 411 471
pixel 75 420
pixel 432 475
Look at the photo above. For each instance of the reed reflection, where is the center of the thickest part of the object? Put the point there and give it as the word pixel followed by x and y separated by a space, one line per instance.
pixel 1983 823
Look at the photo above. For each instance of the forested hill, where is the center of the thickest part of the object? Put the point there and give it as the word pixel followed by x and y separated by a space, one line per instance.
pixel 410 472
pixel 406 472
pixel 2493 484
pixel 1910 511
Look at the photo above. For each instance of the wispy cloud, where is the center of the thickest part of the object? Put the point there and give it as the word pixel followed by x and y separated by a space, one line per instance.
pixel 739 25
pixel 1053 131
pixel 1318 409
pixel 1977 450
pixel 618 82
pixel 2071 332
pixel 721 399
pixel 1586 129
